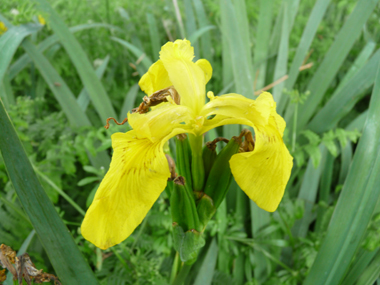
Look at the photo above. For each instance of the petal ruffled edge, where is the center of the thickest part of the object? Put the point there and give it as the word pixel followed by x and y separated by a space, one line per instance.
pixel 155 79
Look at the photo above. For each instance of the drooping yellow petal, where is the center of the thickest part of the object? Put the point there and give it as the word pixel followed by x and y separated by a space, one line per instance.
pixel 138 174
pixel 263 173
pixel 188 78
pixel 155 79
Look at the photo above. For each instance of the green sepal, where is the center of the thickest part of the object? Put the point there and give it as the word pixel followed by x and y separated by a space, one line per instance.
pixel 178 236
pixel 183 209
pixel 206 210
pixel 209 157
pixel 220 176
pixel 197 167
pixel 187 243
pixel 183 152
pixel 192 242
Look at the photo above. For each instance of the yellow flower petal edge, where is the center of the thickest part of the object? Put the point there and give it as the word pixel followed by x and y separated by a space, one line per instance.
pixel 155 79
pixel 187 77
pixel 206 67
pixel 264 172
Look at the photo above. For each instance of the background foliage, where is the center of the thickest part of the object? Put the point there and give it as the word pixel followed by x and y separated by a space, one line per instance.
pixel 58 101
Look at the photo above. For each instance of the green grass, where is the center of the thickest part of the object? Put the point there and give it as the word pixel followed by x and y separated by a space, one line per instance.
pixel 60 82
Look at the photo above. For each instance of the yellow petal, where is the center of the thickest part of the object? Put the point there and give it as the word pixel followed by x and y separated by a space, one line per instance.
pixel 162 122
pixel 236 109
pixel 155 79
pixel 206 67
pixel 137 176
pixel 187 77
pixel 263 173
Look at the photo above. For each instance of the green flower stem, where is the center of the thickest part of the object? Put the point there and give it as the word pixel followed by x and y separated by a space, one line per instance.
pixel 294 135
pixel 197 167
pixel 182 275
pixel 175 268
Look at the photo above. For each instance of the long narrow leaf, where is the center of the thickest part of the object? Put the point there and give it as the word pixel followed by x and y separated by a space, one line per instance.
pixel 240 64
pixel 6 92
pixel 83 98
pixel 308 34
pixel 359 62
pixel 154 35
pixel 64 96
pixel 58 86
pixel 203 22
pixel 308 193
pixel 146 61
pixel 80 60
pixel 282 56
pixel 360 264
pixel 24 60
pixel 206 272
pixel 372 272
pixel 243 24
pixel 342 102
pixel 63 253
pixel 355 205
pixel 193 38
pixel 129 101
pixel 262 41
pixel 191 24
pixel 335 57
pixel 10 41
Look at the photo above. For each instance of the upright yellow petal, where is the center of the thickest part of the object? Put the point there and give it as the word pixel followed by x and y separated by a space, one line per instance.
pixel 205 65
pixel 155 79
pixel 263 173
pixel 187 77
pixel 137 176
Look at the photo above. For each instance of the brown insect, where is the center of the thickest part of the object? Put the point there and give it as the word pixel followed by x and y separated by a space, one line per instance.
pixel 153 100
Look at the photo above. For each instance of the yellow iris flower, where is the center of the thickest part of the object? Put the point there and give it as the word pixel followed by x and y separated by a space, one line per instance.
pixel 139 170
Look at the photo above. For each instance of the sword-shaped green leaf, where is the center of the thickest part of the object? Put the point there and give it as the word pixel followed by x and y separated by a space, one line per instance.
pixel 355 205
pixel 63 253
